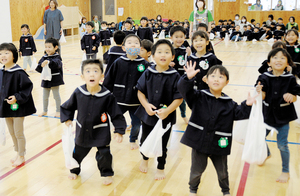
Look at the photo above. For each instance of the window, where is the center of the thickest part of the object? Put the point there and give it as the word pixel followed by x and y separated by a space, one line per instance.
pixel 109 7
pixel 284 4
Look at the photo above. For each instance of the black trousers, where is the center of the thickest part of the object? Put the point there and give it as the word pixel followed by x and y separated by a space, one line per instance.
pixel 199 163
pixel 103 158
pixel 161 160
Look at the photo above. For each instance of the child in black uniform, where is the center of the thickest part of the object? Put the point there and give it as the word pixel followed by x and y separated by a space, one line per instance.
pixel 53 60
pixel 278 33
pixel 16 99
pixel 181 53
pixel 27 46
pixel 165 28
pixel 90 41
pixel 121 79
pixel 293 48
pixel 116 51
pixel 104 35
pixel 146 46
pixel 279 90
pixel 128 27
pixel 158 87
pixel 145 32
pixel 209 132
pixel 94 103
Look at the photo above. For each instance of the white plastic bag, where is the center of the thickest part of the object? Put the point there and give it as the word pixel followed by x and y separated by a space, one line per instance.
pixel 244 38
pixel 271 40
pixel 152 146
pixel 46 73
pixel 240 130
pixel 2 131
pixel 237 38
pixel 62 38
pixel 226 37
pixel 218 35
pixel 254 40
pixel 211 36
pixel 162 35
pixel 263 37
pixel 34 64
pixel 84 57
pixel 255 148
pixel 68 145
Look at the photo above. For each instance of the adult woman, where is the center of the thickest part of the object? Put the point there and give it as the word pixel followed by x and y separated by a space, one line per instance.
pixel 243 23
pixel 53 21
pixel 279 5
pixel 97 24
pixel 292 24
pixel 257 6
pixel 158 18
pixel 200 16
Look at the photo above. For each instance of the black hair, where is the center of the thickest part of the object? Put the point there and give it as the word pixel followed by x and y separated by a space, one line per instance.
pixel 273 23
pixel 90 23
pixel 104 22
pixel 131 35
pixel 144 18
pixel 224 20
pixel 128 21
pixel 293 30
pixel 284 52
pixel 26 26
pixel 279 44
pixel 147 44
pixel 201 34
pixel 198 1
pixel 252 20
pixel 91 61
pixel 177 28
pixel 220 20
pixel 10 47
pixel 229 20
pixel 237 15
pixel 53 41
pixel 246 26
pixel 176 23
pixel 264 22
pixel 119 37
pixel 269 27
pixel 162 41
pixel 202 25
pixel 112 23
pixel 292 18
pixel 280 19
pixel 221 68
pixel 271 16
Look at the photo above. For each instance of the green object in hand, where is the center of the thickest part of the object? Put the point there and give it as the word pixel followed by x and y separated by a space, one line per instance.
pixel 14 106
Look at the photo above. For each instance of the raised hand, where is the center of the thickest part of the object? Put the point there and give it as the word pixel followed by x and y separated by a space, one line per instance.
pixel 190 69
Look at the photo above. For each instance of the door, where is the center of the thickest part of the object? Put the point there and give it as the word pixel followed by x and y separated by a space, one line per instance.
pixel 96 9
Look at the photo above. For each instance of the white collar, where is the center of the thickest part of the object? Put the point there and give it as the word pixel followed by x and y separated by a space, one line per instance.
pixel 284 74
pixel 169 71
pixel 224 96
pixel 85 92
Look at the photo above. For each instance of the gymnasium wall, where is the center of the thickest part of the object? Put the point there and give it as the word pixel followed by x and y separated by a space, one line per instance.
pixel 5 23
pixel 31 12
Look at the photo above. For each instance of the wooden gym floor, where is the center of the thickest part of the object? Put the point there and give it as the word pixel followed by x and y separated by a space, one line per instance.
pixel 44 172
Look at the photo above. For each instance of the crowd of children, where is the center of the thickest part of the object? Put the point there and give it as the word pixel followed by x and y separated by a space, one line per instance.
pixel 180 74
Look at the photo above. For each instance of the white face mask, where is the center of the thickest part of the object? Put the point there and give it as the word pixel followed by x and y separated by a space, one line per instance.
pixel 243 20
pixel 200 4
pixel 236 18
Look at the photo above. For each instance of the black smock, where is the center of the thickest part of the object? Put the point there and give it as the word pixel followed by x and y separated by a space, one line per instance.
pixel 111 55
pixel 145 33
pixel 105 37
pixel 180 59
pixel 88 41
pixel 27 45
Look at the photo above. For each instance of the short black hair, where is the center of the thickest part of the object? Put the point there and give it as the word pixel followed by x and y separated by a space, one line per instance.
pixel 269 27
pixel 292 18
pixel 10 47
pixel 119 37
pixel 293 30
pixel 144 18
pixel 221 68
pixel 252 20
pixel 26 26
pixel 91 61
pixel 271 16
pixel 202 25
pixel 220 20
pixel 52 41
pixel 90 23
pixel 279 44
pixel 162 41
pixel 128 21
pixel 224 20
pixel 201 34
pixel 147 44
pixel 177 28
pixel 273 23
pixel 104 22
pixel 284 52
pixel 131 35
pixel 280 19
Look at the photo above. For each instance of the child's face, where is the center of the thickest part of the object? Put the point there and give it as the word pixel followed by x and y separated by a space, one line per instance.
pixel 163 55
pixel 278 27
pixel 237 28
pixel 257 25
pixel 50 49
pixel 150 25
pixel 248 28
pixel 219 23
pixel 84 20
pixel 156 25
pixel 24 30
pixel 202 29
pixel 278 62
pixel 216 81
pixel 255 30
pixel 213 25
pixel 6 57
pixel 92 75
pixel 291 37
pixel 96 19
pixel 200 43
pixel 89 28
pixel 279 21
pixel 131 42
pixel 136 26
pixel 103 26
pixel 144 53
pixel 127 26
pixel 113 25
pixel 144 23
pixel 264 28
pixel 225 22
pixel 223 29
pixel 165 24
pixel 178 38
pixel 245 28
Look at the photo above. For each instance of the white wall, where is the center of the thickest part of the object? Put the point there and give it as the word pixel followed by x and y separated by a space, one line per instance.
pixel 5 22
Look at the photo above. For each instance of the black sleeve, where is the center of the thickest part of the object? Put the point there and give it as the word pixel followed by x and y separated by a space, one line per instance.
pixel 264 67
pixel 241 111
pixel 55 63
pixel 109 79
pixel 294 87
pixel 33 47
pixel 21 45
pixel 186 88
pixel 67 109
pixel 150 35
pixel 98 40
pixel 25 86
pixel 39 67
pixel 82 43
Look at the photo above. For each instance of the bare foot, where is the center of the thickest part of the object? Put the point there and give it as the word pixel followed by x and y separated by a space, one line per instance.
pixel 14 159
pixel 264 161
pixel 186 121
pixel 133 146
pixel 107 180
pixel 160 174
pixel 144 166
pixel 283 178
pixel 72 176
pixel 57 114
pixel 192 194
pixel 42 114
pixel 128 128
pixel 19 161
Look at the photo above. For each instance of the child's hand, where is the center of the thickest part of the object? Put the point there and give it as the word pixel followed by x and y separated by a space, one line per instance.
pixel 162 113
pixel 190 70
pixel 11 100
pixel 259 87
pixel 69 123
pixel 94 48
pixel 149 109
pixel 289 98
pixel 33 52
pixel 20 53
pixel 251 100
pixel 172 64
pixel 44 63
pixel 188 51
pixel 84 51
pixel 118 137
